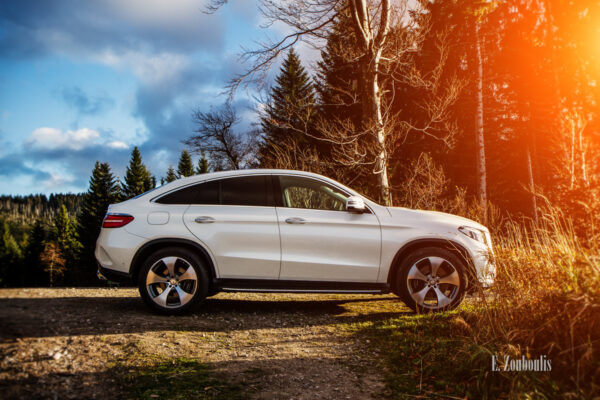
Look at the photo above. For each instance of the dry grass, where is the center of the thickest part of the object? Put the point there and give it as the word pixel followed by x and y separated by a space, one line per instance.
pixel 546 301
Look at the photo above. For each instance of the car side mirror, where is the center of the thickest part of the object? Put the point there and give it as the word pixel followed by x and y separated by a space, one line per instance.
pixel 355 204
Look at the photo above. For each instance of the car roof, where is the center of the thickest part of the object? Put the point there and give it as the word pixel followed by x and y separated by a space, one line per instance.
pixel 241 172
pixel 182 182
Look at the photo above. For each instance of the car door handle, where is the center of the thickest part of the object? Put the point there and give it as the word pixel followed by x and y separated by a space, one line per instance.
pixel 295 220
pixel 204 220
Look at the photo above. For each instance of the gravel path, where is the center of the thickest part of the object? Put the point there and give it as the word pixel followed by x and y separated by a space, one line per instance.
pixel 65 343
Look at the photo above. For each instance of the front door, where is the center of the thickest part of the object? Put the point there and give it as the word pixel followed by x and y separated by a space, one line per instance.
pixel 320 240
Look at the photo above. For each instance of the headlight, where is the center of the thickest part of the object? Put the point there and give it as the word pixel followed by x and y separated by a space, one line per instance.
pixel 473 233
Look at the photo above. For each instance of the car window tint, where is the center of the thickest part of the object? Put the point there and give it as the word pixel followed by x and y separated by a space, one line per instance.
pixel 207 193
pixel 204 193
pixel 244 191
pixel 299 192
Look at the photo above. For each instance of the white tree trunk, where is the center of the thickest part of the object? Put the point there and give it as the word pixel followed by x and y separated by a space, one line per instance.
pixel 372 41
pixel 51 273
pixel 582 151
pixel 382 157
pixel 532 186
pixel 572 160
pixel 481 165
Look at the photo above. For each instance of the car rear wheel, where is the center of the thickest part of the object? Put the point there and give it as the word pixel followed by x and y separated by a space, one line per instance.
pixel 432 279
pixel 173 280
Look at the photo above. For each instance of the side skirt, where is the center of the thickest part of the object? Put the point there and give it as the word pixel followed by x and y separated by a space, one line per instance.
pixel 280 286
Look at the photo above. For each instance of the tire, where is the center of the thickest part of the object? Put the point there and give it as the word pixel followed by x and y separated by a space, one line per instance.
pixel 432 279
pixel 161 286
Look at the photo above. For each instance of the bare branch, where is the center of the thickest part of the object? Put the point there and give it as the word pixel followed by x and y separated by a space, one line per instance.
pixel 226 148
pixel 213 6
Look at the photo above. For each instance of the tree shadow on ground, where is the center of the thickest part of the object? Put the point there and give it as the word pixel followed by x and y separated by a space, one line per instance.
pixel 183 378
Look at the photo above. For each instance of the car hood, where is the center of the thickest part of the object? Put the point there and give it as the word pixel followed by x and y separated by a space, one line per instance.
pixel 406 215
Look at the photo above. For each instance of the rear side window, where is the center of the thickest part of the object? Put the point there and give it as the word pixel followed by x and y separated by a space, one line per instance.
pixel 207 193
pixel 242 191
pixel 203 193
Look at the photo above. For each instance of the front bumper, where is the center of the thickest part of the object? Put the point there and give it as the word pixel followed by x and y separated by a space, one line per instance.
pixel 485 268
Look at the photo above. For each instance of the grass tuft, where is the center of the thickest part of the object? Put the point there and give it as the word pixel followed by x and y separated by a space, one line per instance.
pixel 179 378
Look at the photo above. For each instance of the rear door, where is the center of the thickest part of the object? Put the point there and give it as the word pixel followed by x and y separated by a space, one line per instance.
pixel 235 219
pixel 320 240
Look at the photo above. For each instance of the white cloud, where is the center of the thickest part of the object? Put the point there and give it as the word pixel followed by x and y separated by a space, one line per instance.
pixel 161 159
pixel 56 181
pixel 160 13
pixel 50 139
pixel 54 139
pixel 117 144
pixel 149 68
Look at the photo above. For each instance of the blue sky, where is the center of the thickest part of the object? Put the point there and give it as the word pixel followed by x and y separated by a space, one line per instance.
pixel 82 81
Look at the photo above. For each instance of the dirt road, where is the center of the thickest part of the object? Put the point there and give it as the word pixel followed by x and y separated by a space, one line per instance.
pixel 96 343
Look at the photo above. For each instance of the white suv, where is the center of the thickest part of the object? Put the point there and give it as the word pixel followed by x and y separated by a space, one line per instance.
pixel 287 231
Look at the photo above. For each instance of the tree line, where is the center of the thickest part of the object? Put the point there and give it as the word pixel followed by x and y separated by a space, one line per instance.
pixel 49 241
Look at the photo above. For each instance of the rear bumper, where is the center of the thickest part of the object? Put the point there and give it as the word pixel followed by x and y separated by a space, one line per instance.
pixel 106 274
pixel 115 248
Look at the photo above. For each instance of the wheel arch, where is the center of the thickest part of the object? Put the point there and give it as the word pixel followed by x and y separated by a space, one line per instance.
pixel 150 247
pixel 450 245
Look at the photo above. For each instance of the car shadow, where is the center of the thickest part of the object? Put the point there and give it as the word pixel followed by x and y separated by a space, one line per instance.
pixel 67 316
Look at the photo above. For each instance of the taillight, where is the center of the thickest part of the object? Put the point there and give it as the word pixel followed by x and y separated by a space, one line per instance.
pixel 116 220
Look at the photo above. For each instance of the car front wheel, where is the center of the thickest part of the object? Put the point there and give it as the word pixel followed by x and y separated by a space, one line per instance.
pixel 432 279
pixel 173 280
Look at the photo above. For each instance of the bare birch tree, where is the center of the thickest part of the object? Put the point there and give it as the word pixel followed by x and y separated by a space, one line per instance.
pixel 576 146
pixel 481 165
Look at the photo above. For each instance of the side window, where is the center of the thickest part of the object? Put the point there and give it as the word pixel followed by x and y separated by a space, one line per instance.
pixel 300 192
pixel 207 193
pixel 242 191
pixel 245 191
pixel 203 193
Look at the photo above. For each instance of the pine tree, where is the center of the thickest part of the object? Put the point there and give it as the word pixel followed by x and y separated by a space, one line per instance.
pixel 338 74
pixel 337 85
pixel 185 166
pixel 103 191
pixel 171 175
pixel 64 235
pixel 203 166
pixel 34 271
pixel 290 109
pixel 10 257
pixel 137 177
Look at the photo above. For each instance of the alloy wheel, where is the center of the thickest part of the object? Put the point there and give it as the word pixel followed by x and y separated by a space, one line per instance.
pixel 433 283
pixel 171 282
